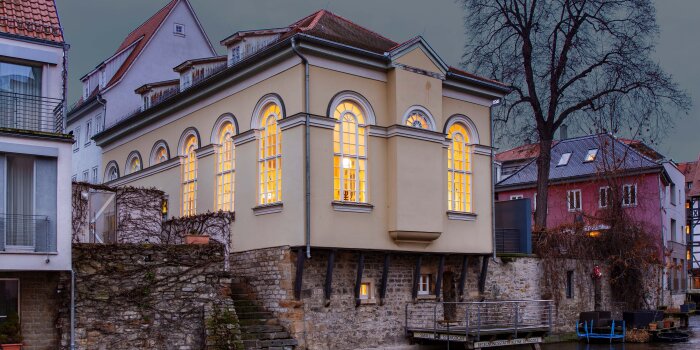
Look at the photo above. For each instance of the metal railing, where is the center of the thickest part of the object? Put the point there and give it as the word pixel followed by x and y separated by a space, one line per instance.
pixel 24 232
pixel 508 240
pixel 27 112
pixel 474 319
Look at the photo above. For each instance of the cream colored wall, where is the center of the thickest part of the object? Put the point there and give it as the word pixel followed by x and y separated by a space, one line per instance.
pixel 418 59
pixel 407 177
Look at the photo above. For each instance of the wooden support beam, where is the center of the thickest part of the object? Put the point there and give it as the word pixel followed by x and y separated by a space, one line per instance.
pixel 329 278
pixel 416 277
pixel 438 282
pixel 358 280
pixel 484 271
pixel 463 277
pixel 385 278
pixel 299 273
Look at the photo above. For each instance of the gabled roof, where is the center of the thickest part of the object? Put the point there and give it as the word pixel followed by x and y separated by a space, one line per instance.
pixel 33 19
pixel 691 171
pixel 612 155
pixel 195 61
pixel 520 153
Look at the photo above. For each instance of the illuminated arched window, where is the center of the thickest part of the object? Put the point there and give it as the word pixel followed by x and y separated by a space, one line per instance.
pixel 270 161
pixel 459 174
pixel 350 153
pixel 133 162
pixel 161 155
pixel 225 167
pixel 417 120
pixel 189 177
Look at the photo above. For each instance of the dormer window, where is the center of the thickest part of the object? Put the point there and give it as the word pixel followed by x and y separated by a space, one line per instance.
pixel 179 29
pixel 564 160
pixel 590 156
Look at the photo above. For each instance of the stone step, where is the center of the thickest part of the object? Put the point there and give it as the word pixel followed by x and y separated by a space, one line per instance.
pixel 255 315
pixel 265 336
pixel 261 328
pixel 248 309
pixel 258 321
pixel 278 342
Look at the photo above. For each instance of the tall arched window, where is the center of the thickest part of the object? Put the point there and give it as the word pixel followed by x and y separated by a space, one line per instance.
pixel 349 153
pixel 225 167
pixel 459 174
pixel 189 177
pixel 270 161
pixel 133 162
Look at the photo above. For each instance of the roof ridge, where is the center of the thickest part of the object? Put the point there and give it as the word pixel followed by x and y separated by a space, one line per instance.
pixel 169 6
pixel 359 26
pixel 314 22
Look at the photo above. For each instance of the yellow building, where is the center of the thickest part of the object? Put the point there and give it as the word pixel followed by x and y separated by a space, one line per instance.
pixel 396 144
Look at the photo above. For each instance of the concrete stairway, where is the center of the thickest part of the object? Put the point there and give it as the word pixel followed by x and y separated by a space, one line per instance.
pixel 260 329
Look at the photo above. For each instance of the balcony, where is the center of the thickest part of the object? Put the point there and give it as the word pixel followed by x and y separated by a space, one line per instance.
pixel 25 233
pixel 31 113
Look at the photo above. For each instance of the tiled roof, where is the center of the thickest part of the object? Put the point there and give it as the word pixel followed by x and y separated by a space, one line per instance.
pixel 612 154
pixel 145 31
pixel 691 171
pixel 523 152
pixel 36 19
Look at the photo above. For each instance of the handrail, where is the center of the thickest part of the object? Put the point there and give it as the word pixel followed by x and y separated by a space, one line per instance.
pixel 28 112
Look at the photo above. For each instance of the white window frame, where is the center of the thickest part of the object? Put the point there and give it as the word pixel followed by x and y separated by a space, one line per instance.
pixel 88 131
pixel 19 295
pixel 575 207
pixel 99 123
pixel 221 173
pixel 516 196
pixel 175 29
pixel 86 175
pixel 76 134
pixel 627 202
pixel 608 199
pixel 673 196
pixel 424 283
pixel 94 175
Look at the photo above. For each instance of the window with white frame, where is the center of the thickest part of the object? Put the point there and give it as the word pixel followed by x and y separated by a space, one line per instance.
pixel 459 169
pixel 604 197
pixel 99 124
pixel 86 176
pixel 179 29
pixel 629 195
pixel 189 177
pixel 366 291
pixel 225 167
pixel 76 134
pixel 424 283
pixel 349 153
pixel 270 155
pixel 673 193
pixel 111 172
pixel 74 178
pixel 564 160
pixel 516 196
pixel 574 200
pixel 9 298
pixel 94 175
pixel 88 132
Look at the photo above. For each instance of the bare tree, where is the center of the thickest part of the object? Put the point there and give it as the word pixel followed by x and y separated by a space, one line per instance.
pixel 568 61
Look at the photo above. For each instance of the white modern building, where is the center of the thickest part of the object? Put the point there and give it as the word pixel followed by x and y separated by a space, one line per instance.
pixel 169 37
pixel 35 169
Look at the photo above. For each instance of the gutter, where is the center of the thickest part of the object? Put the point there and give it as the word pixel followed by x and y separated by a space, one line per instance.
pixel 307 152
pixel 493 180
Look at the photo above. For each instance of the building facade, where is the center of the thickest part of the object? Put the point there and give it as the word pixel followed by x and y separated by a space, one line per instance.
pixel 141 58
pixel 326 140
pixel 692 206
pixel 35 168
pixel 581 186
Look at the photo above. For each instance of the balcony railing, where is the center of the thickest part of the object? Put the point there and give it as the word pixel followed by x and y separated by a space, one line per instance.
pixel 33 113
pixel 24 232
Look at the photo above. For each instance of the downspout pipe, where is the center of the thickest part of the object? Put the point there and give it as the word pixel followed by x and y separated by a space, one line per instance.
pixel 662 195
pixel 72 309
pixel 493 180
pixel 307 151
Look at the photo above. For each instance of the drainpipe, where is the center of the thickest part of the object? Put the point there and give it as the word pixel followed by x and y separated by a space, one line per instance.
pixel 663 240
pixel 72 309
pixel 307 151
pixel 493 180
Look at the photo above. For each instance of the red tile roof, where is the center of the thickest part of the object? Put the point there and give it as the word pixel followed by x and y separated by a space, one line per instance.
pixel 523 152
pixel 691 171
pixel 145 31
pixel 36 19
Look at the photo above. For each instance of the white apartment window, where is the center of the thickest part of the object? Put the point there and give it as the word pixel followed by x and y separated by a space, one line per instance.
pixel 9 298
pixel 673 194
pixel 590 156
pixel 88 132
pixel 564 160
pixel 516 196
pixel 629 195
pixel 179 29
pixel 86 89
pixel 424 284
pixel 76 134
pixel 20 203
pixel 574 200
pixel 86 176
pixel 604 197
pixel 99 124
pixel 94 175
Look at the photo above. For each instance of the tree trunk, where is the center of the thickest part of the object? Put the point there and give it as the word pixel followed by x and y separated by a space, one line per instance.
pixel 543 160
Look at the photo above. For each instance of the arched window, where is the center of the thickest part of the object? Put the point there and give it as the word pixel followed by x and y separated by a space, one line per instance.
pixel 459 171
pixel 112 171
pixel 270 161
pixel 225 167
pixel 419 117
pixel 189 176
pixel 349 153
pixel 417 120
pixel 159 153
pixel 133 162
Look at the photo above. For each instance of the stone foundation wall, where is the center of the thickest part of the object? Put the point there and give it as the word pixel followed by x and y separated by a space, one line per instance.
pixel 39 303
pixel 134 296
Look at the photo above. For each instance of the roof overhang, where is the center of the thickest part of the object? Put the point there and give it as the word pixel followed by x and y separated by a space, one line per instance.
pixel 588 177
pixel 419 42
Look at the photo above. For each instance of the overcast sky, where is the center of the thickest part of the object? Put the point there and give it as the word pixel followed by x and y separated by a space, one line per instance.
pixel 95 28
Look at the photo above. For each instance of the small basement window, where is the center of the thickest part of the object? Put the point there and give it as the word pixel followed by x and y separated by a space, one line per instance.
pixel 590 156
pixel 564 160
pixel 365 291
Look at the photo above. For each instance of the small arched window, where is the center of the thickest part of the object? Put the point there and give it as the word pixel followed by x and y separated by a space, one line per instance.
pixel 349 153
pixel 133 162
pixel 189 176
pixel 419 117
pixel 459 171
pixel 112 171
pixel 270 160
pixel 159 153
pixel 225 167
pixel 417 120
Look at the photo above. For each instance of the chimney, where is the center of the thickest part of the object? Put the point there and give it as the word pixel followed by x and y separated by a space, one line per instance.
pixel 563 132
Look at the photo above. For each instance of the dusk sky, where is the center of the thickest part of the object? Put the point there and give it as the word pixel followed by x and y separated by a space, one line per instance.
pixel 95 28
